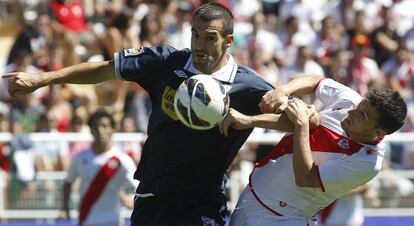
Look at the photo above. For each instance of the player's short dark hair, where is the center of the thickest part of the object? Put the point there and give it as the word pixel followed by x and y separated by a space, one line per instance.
pixel 216 11
pixel 391 108
pixel 101 113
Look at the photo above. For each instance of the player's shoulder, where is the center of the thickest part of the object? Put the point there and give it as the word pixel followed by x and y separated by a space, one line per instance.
pixel 170 51
pixel 249 76
pixel 87 153
pixel 371 156
pixel 244 70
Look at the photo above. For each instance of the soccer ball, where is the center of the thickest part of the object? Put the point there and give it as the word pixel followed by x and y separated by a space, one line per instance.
pixel 201 102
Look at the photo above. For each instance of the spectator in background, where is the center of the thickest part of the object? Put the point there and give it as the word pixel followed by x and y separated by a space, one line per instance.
pixel 119 35
pixel 105 173
pixel 291 38
pixel 70 15
pixel 152 33
pixel 358 30
pixel 363 70
pixel 265 67
pixel 178 32
pixel 303 65
pixel 24 114
pixel 385 38
pixel 339 67
pixel 399 71
pixel 78 125
pixel 32 40
pixel 327 41
pixel 131 148
pixel 71 21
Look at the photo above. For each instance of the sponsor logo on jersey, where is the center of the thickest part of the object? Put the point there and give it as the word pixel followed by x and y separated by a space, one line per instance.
pixel 167 103
pixel 343 143
pixel 133 51
pixel 180 73
pixel 369 151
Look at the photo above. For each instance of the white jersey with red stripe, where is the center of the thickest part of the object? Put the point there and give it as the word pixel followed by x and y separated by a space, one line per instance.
pixel 86 165
pixel 342 163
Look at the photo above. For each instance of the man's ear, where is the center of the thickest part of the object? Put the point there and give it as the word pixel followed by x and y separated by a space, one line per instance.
pixel 229 40
pixel 379 133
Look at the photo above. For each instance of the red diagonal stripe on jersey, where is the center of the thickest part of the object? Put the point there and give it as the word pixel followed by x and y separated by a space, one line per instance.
pixel 321 139
pixel 97 186
pixel 326 212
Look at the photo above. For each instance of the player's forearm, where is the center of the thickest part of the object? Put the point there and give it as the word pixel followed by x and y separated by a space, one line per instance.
pixel 84 73
pixel 301 85
pixel 273 121
pixel 302 156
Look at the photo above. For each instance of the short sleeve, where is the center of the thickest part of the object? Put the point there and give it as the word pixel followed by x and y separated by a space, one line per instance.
pixel 128 167
pixel 330 92
pixel 135 64
pixel 347 173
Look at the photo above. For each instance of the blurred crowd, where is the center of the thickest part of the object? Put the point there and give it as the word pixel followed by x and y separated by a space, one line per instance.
pixel 360 43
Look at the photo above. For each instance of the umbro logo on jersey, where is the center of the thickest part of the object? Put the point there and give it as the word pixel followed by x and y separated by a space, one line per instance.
pixel 343 143
pixel 180 73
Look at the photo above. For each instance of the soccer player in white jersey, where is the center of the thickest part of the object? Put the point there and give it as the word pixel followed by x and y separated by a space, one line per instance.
pixel 326 156
pixel 106 177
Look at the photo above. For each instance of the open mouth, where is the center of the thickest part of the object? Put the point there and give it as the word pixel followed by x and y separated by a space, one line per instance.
pixel 201 55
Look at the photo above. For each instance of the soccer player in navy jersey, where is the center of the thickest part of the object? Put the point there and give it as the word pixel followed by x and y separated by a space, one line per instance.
pixel 182 172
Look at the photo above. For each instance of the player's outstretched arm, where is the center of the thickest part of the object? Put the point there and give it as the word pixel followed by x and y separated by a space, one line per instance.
pixel 279 122
pixel 84 73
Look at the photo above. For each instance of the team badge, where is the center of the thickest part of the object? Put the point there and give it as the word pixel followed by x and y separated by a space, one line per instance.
pixel 282 204
pixel 343 143
pixel 113 164
pixel 133 51
pixel 369 151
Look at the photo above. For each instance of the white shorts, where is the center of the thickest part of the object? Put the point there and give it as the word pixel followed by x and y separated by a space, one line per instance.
pixel 249 212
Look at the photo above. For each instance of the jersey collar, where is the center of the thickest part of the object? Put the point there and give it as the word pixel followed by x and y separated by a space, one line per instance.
pixel 225 74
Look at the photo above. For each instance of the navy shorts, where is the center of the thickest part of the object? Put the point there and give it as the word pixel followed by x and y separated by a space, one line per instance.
pixel 151 211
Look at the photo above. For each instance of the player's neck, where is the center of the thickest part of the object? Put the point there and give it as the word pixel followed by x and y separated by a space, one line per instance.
pixel 100 147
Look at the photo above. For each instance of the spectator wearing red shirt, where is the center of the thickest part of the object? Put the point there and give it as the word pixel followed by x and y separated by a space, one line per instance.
pixel 70 14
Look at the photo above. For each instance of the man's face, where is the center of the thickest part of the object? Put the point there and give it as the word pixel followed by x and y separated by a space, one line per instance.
pixel 102 131
pixel 361 122
pixel 208 45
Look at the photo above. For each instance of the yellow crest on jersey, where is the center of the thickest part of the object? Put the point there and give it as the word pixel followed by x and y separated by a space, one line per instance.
pixel 167 103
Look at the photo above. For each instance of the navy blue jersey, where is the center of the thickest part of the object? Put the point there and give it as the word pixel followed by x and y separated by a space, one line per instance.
pixel 177 162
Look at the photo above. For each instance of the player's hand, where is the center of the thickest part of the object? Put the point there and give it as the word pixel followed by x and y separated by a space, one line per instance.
pixel 274 101
pixel 22 83
pixel 299 112
pixel 235 120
